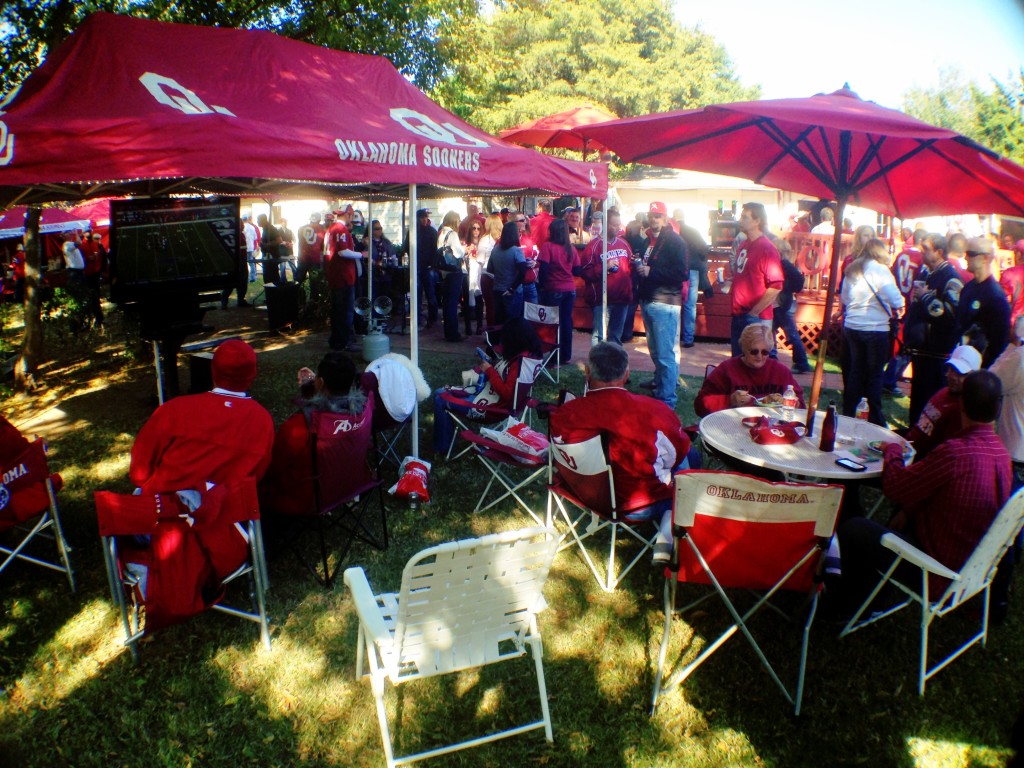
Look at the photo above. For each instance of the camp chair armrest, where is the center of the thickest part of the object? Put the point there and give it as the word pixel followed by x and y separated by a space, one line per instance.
pixel 915 556
pixel 366 607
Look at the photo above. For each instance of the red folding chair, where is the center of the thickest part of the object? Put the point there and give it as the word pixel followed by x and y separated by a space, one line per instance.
pixel 338 492
pixel 482 414
pixel 734 531
pixel 513 470
pixel 581 487
pixel 28 508
pixel 166 562
pixel 545 321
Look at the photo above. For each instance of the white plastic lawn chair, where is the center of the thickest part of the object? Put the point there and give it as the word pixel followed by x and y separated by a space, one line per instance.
pixel 973 579
pixel 462 605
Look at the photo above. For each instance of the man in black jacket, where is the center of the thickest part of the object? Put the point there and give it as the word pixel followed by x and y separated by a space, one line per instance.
pixel 663 272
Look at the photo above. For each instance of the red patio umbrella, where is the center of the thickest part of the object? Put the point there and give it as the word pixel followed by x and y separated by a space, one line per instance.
pixel 560 130
pixel 833 146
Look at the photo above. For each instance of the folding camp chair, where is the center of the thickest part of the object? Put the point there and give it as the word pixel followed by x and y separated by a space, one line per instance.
pixel 581 487
pixel 481 414
pixel 390 419
pixel 345 485
pixel 160 568
pixel 736 531
pixel 513 470
pixel 462 605
pixel 28 508
pixel 974 578
pixel 544 320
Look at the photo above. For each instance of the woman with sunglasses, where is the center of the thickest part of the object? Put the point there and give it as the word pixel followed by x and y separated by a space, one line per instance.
pixel 751 377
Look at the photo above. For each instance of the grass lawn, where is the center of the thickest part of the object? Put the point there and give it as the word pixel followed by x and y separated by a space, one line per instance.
pixel 206 694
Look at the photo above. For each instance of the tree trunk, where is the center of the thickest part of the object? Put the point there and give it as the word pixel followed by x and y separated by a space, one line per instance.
pixel 32 344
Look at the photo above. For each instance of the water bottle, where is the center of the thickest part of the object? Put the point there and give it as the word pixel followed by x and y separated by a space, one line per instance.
pixel 789 403
pixel 862 413
pixel 828 430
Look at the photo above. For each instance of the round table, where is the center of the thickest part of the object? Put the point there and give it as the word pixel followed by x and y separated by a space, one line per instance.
pixel 724 431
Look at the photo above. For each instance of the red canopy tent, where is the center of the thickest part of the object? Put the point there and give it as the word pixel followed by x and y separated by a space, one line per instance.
pixel 54 220
pixel 560 130
pixel 97 211
pixel 132 106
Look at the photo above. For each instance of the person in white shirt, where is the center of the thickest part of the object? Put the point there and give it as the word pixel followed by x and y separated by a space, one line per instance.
pixel 827 225
pixel 1009 367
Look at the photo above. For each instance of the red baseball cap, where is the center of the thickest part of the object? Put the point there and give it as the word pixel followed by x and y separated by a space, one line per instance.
pixel 658 208
pixel 780 433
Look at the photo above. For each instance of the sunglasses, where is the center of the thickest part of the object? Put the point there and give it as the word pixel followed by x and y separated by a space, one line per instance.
pixel 759 352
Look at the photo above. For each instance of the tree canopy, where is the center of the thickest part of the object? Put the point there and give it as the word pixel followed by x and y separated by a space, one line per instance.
pixel 536 57
pixel 419 38
pixel 993 117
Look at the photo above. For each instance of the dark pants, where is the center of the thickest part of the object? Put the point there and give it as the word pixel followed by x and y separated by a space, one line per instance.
pixel 93 304
pixel 929 377
pixel 451 290
pixel 342 313
pixel 508 306
pixel 428 289
pixel 867 354
pixel 564 300
pixel 863 557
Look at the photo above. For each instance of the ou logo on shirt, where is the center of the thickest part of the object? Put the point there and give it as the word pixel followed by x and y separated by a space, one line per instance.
pixel 741 261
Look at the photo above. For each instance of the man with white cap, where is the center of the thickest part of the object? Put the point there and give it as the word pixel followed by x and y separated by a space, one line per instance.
pixel 662 273
pixel 940 418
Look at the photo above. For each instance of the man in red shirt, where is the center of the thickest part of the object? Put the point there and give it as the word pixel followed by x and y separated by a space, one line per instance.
pixel 595 263
pixel 311 247
pixel 758 277
pixel 1012 283
pixel 340 258
pixel 540 223
pixel 940 419
pixel 643 452
pixel 949 499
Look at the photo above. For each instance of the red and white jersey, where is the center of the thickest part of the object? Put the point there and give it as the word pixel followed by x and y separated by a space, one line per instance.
pixel 905 267
pixel 758 268
pixel 341 272
pixel 1012 283
pixel 311 244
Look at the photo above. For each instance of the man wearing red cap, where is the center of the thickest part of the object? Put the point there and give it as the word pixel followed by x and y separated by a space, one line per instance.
pixel 662 274
pixel 193 442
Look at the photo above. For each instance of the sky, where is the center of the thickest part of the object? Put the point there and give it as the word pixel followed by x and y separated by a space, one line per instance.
pixel 795 48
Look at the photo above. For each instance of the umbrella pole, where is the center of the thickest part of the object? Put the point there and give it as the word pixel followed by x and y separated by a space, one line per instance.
pixel 826 326
pixel 604 273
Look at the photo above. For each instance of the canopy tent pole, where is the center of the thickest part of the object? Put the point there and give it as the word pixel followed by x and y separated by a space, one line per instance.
pixel 414 312
pixel 369 261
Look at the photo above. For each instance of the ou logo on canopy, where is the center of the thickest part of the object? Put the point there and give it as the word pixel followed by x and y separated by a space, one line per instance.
pixel 168 91
pixel 428 128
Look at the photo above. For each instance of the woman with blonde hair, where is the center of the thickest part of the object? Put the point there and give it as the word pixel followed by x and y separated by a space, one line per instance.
pixel 870 298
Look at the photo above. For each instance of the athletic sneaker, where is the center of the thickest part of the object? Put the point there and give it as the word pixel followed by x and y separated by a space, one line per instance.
pixel 662 554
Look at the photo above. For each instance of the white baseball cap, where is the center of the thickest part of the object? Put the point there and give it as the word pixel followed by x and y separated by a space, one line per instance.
pixel 965 359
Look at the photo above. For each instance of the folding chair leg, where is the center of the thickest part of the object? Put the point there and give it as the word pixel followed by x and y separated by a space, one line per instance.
pixel 537 651
pixel 671 585
pixel 63 550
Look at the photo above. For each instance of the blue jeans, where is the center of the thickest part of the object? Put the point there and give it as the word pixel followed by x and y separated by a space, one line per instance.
pixel 530 295
pixel 662 323
pixel 868 352
pixel 250 257
pixel 785 319
pixel 690 307
pixel 507 307
pixel 343 301
pixel 739 322
pixel 451 290
pixel 564 300
pixel 616 322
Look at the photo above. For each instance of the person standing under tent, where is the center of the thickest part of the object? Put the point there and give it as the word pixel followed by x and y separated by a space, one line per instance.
pixel 251 236
pixel 508 266
pixel 616 264
pixel 311 247
pixel 697 250
pixel 340 259
pixel 449 262
pixel 541 222
pixel 983 305
pixel 559 263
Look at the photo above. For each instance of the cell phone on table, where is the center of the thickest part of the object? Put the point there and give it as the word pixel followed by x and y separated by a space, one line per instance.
pixel 850 464
pixel 483 355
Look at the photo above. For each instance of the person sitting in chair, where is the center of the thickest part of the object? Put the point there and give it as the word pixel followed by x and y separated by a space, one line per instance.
pixel 742 380
pixel 646 442
pixel 286 488
pixel 495 383
pixel 189 445
pixel 949 499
